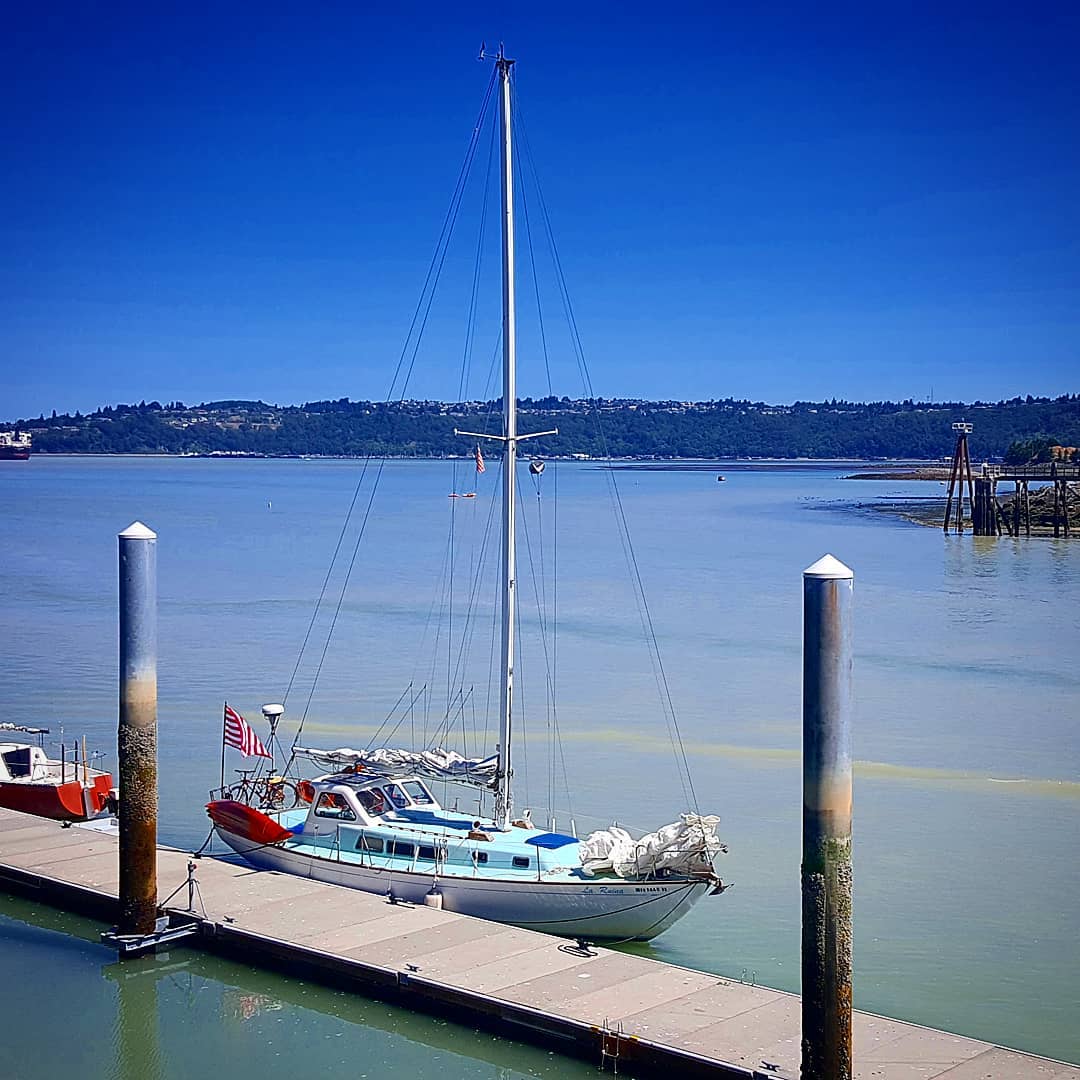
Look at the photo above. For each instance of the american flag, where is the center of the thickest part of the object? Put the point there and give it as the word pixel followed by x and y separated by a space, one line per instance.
pixel 239 733
pixel 479 460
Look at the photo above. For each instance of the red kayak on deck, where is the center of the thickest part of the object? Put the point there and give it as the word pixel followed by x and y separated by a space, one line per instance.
pixel 247 822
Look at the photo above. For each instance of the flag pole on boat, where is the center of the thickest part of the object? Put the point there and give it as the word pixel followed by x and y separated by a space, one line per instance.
pixel 224 716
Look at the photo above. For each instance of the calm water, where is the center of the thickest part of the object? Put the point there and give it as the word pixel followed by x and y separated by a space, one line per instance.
pixel 185 1014
pixel 968 791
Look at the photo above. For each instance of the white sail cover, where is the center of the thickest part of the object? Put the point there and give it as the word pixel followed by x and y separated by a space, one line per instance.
pixel 436 764
pixel 5 726
pixel 685 845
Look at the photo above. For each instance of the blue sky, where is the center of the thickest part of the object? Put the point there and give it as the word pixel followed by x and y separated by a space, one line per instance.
pixel 863 201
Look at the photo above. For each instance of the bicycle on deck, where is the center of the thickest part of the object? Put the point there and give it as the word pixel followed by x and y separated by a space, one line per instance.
pixel 269 792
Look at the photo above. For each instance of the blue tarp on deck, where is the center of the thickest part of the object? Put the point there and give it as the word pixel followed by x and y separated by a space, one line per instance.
pixel 552 840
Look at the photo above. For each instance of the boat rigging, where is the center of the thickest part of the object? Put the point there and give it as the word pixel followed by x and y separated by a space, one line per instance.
pixel 373 823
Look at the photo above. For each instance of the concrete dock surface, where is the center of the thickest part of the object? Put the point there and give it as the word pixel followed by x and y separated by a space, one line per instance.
pixel 612 1007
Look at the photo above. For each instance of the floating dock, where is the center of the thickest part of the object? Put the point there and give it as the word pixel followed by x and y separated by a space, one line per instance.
pixel 637 1016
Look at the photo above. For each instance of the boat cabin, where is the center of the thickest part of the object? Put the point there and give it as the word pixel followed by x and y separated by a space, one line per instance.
pixel 19 761
pixel 368 800
pixel 397 823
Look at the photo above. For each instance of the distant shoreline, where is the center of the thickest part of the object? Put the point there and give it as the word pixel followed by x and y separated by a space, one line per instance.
pixel 913 468
pixel 917 472
pixel 891 434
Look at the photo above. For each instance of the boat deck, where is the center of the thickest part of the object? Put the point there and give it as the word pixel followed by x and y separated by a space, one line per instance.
pixel 421 830
pixel 653 1017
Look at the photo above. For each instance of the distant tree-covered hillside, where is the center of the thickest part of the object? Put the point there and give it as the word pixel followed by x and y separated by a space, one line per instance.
pixel 620 428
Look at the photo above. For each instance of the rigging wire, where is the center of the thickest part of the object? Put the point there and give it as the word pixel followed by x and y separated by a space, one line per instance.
pixel 413 698
pixel 407 692
pixel 557 751
pixel 663 686
pixel 547 657
pixel 474 593
pixel 479 564
pixel 415 333
pixel 463 380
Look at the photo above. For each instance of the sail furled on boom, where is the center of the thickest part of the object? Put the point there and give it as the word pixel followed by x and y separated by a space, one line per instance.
pixel 435 764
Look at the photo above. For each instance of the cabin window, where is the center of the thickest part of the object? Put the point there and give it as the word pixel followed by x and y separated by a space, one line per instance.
pixel 419 794
pixel 427 852
pixel 369 843
pixel 397 796
pixel 333 805
pixel 479 856
pixel 401 848
pixel 19 762
pixel 521 862
pixel 372 800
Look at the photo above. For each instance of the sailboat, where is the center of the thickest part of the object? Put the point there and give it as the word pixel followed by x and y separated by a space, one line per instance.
pixel 372 822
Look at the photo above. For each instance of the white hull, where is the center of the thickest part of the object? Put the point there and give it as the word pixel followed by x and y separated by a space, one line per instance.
pixel 603 909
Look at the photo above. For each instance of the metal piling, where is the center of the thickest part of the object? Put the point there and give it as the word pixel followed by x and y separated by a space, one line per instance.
pixel 828 595
pixel 137 729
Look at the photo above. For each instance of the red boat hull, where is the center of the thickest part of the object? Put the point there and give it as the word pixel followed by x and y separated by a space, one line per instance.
pixel 62 802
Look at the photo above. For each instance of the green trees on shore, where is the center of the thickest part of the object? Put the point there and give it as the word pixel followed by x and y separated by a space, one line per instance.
pixel 620 428
pixel 1039 450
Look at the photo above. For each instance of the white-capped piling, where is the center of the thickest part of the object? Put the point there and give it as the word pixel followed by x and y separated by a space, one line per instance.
pixel 828 603
pixel 137 730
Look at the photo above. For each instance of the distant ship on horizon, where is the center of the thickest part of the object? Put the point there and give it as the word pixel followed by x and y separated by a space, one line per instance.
pixel 14 446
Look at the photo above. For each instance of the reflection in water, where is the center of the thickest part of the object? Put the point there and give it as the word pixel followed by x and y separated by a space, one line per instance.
pixel 187 1013
pixel 135 1034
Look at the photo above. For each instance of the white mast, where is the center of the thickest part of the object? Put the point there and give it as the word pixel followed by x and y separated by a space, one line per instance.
pixel 509 438
pixel 503 799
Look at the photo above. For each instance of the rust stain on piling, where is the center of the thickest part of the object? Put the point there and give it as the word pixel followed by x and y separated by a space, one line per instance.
pixel 827 961
pixel 137 745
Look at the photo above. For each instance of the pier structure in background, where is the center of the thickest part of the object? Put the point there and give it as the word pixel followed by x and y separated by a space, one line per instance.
pixel 991 518
pixel 988 517
pixel 958 473
pixel 828 601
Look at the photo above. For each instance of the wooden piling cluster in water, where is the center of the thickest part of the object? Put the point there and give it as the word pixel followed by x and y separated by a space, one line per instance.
pixel 990 518
pixel 985 511
pixel 987 516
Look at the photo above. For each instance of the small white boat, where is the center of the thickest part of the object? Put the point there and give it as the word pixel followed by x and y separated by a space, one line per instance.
pixel 373 824
pixel 34 783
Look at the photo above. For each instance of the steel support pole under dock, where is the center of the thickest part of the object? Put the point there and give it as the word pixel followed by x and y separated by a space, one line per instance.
pixel 137 731
pixel 828 596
